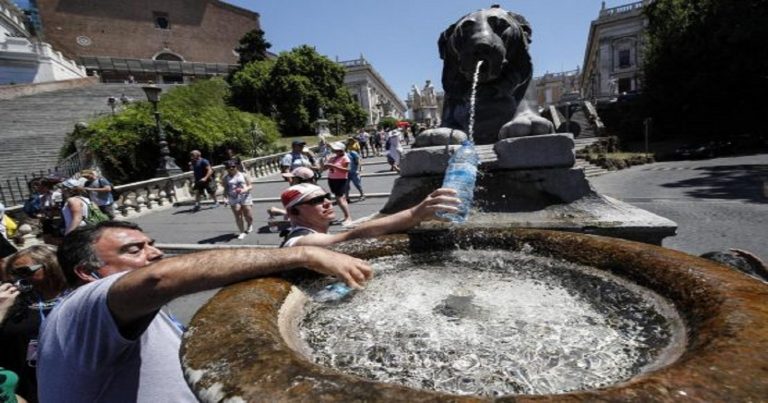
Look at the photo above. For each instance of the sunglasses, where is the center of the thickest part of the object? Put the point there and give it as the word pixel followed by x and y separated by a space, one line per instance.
pixel 316 200
pixel 26 271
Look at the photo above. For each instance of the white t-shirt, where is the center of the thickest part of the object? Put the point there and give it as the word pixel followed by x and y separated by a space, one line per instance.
pixel 83 357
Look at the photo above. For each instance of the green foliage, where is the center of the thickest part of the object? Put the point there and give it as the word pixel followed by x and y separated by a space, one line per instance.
pixel 293 88
pixel 252 47
pixel 705 71
pixel 193 117
pixel 388 123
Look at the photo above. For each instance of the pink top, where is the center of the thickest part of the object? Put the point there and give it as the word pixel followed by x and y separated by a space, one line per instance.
pixel 340 161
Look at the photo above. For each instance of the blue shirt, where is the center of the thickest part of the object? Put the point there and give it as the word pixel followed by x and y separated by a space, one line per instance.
pixel 101 198
pixel 354 160
pixel 200 168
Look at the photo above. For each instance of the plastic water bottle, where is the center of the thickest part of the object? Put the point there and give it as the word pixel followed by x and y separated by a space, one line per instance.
pixel 333 292
pixel 460 176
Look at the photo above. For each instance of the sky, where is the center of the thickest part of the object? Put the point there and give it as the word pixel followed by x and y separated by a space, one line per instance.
pixel 399 37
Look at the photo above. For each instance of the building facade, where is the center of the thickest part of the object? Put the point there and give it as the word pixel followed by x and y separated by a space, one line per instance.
pixel 426 105
pixel 371 92
pixel 162 40
pixel 23 58
pixel 613 58
pixel 552 87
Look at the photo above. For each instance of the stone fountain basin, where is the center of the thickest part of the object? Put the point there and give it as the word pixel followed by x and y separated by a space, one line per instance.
pixel 241 345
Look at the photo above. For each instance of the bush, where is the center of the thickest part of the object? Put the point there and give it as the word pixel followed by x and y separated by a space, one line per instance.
pixel 193 117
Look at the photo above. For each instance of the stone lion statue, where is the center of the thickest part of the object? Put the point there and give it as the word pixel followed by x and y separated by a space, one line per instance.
pixel 500 39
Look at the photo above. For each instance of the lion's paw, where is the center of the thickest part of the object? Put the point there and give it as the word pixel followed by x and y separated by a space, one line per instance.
pixel 526 123
pixel 439 137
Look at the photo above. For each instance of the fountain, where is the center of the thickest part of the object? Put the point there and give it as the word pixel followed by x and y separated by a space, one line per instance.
pixel 245 344
pixel 506 312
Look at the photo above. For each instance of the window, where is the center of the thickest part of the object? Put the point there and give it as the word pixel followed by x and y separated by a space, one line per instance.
pixel 161 20
pixel 624 61
pixel 625 85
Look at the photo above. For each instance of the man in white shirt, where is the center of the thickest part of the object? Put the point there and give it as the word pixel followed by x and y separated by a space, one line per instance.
pixel 108 341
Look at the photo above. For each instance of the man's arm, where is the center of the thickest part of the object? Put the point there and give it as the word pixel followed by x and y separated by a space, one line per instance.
pixel 208 172
pixel 440 200
pixel 104 188
pixel 143 291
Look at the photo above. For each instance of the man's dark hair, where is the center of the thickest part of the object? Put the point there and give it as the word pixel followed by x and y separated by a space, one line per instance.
pixel 77 248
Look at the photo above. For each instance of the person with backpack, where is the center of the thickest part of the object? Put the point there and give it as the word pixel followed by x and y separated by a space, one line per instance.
pixel 78 210
pixel 101 192
pixel 297 158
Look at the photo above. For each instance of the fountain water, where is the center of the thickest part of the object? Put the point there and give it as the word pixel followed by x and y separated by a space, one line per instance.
pixel 493 323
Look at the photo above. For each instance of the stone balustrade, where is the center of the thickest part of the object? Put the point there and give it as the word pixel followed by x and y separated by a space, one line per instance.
pixel 139 197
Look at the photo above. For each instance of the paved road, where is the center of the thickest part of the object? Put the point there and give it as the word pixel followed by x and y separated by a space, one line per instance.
pixel 718 204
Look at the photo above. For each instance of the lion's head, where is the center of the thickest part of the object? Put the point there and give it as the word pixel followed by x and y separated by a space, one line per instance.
pixel 500 39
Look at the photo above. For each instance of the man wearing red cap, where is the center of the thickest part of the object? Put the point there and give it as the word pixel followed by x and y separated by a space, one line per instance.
pixel 310 211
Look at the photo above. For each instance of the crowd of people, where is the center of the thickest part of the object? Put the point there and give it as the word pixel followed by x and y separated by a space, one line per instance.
pixel 108 337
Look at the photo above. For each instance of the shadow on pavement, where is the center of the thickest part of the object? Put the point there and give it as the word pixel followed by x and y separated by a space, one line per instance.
pixel 218 239
pixel 735 182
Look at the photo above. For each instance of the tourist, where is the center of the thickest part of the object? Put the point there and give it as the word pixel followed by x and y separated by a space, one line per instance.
pixel 76 204
pixel 237 187
pixel 41 284
pixel 232 156
pixel 297 158
pixel 377 141
pixel 311 212
pixel 363 139
pixel 394 150
pixel 353 176
pixel 298 175
pixel 109 340
pixel 338 168
pixel 204 178
pixel 101 191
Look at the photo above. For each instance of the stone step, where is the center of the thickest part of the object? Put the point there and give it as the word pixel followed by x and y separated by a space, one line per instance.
pixel 33 128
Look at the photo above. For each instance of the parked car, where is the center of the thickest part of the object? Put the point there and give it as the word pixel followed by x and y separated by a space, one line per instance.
pixel 711 149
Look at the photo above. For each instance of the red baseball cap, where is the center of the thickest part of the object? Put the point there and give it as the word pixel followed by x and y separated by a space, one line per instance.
pixel 296 193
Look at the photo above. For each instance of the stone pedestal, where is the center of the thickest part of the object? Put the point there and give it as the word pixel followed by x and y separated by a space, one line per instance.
pixel 528 182
pixel 321 127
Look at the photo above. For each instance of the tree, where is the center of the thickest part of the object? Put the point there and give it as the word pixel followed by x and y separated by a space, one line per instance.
pixel 252 47
pixel 293 88
pixel 387 123
pixel 704 72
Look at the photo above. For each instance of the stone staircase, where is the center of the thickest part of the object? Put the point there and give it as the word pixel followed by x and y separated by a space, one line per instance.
pixel 590 169
pixel 33 128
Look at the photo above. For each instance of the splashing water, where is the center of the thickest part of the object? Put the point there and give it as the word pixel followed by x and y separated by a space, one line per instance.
pixel 492 323
pixel 472 98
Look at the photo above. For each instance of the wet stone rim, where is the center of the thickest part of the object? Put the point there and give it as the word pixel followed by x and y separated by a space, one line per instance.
pixel 239 344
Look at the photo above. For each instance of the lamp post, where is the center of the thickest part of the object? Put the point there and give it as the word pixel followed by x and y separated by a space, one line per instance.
pixel 167 166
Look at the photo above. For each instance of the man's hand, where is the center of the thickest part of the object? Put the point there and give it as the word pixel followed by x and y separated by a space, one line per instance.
pixel 8 295
pixel 353 271
pixel 440 200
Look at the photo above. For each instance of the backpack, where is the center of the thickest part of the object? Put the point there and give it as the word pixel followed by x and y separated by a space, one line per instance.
pixel 95 215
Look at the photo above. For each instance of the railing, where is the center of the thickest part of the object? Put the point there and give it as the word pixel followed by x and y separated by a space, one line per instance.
pixel 134 198
pixel 621 9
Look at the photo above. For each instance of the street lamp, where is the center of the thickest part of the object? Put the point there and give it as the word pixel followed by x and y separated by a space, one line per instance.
pixel 167 166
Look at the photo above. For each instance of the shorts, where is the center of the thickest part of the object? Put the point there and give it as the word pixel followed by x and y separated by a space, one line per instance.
pixel 242 199
pixel 338 186
pixel 209 187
